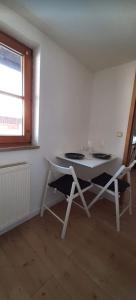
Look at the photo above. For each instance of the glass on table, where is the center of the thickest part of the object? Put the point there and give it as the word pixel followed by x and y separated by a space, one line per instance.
pixel 87 151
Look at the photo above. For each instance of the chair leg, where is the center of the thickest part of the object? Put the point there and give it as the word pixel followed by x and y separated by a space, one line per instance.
pixel 130 193
pixel 83 200
pixel 81 194
pixel 85 205
pixel 68 212
pixel 117 206
pixel 45 194
pixel 97 197
pixel 130 200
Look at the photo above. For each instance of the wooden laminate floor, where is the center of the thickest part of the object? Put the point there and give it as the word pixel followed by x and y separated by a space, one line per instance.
pixel 94 262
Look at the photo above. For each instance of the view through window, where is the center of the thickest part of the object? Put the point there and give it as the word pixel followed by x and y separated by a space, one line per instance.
pixel 11 93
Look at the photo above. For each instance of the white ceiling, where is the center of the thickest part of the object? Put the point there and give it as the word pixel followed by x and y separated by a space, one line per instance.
pixel 100 33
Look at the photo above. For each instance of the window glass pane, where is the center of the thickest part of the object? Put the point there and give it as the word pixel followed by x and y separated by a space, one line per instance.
pixel 11 78
pixel 11 116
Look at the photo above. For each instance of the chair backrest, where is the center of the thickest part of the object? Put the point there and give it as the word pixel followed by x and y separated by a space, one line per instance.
pixel 121 172
pixel 60 169
pixel 63 170
pixel 131 165
pixel 126 170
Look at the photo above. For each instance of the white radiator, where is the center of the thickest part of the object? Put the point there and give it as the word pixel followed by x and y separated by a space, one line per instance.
pixel 14 193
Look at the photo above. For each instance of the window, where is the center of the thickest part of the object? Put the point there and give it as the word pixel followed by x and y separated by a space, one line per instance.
pixel 15 91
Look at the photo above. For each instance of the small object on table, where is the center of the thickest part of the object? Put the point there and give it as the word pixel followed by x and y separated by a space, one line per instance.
pixel 101 155
pixel 74 155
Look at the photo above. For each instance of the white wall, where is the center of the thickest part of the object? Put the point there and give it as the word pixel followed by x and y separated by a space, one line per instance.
pixel 60 96
pixel 110 97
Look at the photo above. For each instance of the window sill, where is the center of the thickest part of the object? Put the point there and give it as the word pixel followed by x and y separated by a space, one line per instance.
pixel 18 147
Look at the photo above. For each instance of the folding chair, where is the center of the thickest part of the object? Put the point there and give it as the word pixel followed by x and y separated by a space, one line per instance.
pixel 70 186
pixel 115 185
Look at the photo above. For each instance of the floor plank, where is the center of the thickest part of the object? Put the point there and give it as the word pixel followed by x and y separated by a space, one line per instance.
pixel 52 290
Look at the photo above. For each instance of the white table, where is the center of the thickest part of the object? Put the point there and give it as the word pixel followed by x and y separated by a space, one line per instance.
pixel 88 161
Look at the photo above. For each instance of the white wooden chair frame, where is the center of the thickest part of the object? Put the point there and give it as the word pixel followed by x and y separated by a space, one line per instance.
pixel 70 171
pixel 123 170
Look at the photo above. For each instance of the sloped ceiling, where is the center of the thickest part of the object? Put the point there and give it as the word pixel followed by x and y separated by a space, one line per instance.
pixel 99 33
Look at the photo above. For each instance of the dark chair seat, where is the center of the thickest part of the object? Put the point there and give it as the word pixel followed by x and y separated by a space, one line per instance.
pixel 104 178
pixel 64 183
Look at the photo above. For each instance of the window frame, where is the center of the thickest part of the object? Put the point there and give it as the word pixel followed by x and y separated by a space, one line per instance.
pixel 27 53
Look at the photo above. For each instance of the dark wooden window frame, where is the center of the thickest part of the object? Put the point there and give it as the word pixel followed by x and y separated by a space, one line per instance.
pixel 20 48
pixel 128 142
